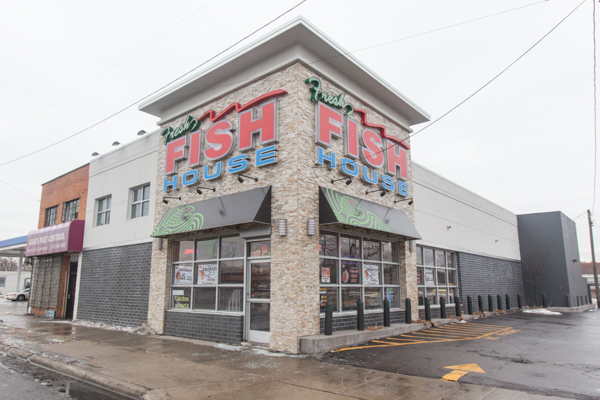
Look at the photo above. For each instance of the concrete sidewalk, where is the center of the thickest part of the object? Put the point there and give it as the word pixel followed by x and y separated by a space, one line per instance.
pixel 159 367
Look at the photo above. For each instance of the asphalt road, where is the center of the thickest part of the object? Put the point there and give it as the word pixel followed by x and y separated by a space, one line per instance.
pixel 555 355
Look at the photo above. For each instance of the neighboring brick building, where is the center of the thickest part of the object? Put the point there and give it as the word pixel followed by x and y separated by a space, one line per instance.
pixel 56 245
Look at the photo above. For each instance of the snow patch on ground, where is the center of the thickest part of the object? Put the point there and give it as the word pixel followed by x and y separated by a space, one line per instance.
pixel 542 311
pixel 144 329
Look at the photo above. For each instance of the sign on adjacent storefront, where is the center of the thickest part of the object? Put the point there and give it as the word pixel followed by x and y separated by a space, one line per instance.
pixel 67 237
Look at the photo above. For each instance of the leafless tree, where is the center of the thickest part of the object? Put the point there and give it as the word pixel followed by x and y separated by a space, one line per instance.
pixel 12 264
pixel 8 264
pixel 534 267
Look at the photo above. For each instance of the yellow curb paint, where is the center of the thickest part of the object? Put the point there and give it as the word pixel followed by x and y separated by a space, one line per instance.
pixel 454 376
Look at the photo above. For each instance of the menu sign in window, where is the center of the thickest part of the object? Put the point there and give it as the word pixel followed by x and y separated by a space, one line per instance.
pixel 350 273
pixel 207 274
pixel 371 274
pixel 183 275
pixel 429 278
pixel 325 275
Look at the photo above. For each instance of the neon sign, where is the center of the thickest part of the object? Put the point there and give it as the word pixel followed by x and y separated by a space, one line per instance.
pixel 371 146
pixel 218 142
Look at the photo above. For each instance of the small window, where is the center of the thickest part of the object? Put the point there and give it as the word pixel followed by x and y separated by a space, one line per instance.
pixel 2 281
pixel 140 204
pixel 103 216
pixel 70 210
pixel 51 216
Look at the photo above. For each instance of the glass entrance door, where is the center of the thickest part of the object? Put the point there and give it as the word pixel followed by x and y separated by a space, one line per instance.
pixel 258 304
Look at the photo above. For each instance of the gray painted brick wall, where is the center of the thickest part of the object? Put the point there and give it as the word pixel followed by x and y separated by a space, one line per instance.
pixel 214 327
pixel 115 285
pixel 348 322
pixel 479 275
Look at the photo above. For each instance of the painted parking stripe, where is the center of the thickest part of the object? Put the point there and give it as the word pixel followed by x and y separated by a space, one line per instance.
pixel 422 338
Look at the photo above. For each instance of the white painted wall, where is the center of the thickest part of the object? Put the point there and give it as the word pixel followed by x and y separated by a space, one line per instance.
pixel 114 174
pixel 11 281
pixel 478 226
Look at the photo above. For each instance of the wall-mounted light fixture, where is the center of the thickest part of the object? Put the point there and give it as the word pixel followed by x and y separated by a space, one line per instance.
pixel 383 192
pixel 410 201
pixel 574 260
pixel 199 189
pixel 159 243
pixel 141 133
pixel 348 181
pixel 249 177
pixel 167 201
pixel 94 154
pixel 311 227
pixel 496 241
pixel 282 227
pixel 116 143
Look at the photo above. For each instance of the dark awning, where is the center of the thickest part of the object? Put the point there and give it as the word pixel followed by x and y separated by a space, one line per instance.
pixel 232 209
pixel 339 208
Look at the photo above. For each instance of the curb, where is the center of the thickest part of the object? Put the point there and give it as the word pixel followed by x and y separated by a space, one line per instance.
pixel 115 385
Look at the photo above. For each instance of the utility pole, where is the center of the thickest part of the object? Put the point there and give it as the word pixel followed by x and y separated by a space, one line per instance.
pixel 594 261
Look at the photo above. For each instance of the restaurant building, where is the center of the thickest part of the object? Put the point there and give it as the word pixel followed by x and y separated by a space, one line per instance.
pixel 55 247
pixel 279 179
pixel 284 181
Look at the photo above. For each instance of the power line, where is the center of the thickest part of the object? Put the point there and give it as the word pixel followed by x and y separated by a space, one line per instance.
pixel 108 70
pixel 19 190
pixel 501 72
pixel 156 91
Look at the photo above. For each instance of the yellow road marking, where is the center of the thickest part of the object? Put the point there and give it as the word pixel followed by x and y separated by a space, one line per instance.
pixel 460 371
pixel 388 344
pixel 454 376
pixel 410 340
pixel 463 333
pixel 472 327
pixel 439 334
pixel 467 367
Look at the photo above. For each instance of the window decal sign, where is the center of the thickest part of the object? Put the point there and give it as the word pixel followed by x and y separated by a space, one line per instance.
pixel 183 275
pixel 217 142
pixel 207 274
pixel 370 274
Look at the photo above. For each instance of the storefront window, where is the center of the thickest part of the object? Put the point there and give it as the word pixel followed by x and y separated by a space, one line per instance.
pixel 366 269
pixel 436 275
pixel 208 274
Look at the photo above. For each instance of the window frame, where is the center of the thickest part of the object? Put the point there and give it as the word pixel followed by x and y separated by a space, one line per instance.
pixel 362 261
pixel 67 210
pixel 50 214
pixel 105 212
pixel 423 288
pixel 2 281
pixel 140 202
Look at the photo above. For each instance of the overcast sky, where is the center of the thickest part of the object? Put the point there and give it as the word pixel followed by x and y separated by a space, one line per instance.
pixel 525 142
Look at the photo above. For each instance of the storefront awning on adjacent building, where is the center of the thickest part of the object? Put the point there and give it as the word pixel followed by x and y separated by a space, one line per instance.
pixel 239 208
pixel 339 208
pixel 67 237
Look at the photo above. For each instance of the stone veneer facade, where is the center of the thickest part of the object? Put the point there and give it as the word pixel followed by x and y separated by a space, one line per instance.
pixel 295 197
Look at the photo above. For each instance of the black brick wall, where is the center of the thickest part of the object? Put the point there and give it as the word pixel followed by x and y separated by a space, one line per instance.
pixel 115 284
pixel 479 275
pixel 436 311
pixel 215 327
pixel 348 322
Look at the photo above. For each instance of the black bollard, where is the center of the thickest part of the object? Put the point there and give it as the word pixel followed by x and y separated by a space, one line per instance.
pixel 457 306
pixel 469 305
pixel 386 313
pixel 590 294
pixel 578 302
pixel 499 298
pixel 427 309
pixel 543 300
pixel 480 300
pixel 490 303
pixel 586 300
pixel 360 315
pixel 507 302
pixel 519 301
pixel 568 300
pixel 329 318
pixel 442 307
pixel 407 312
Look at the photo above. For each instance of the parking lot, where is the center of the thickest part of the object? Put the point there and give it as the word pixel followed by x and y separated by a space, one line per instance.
pixel 546 354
